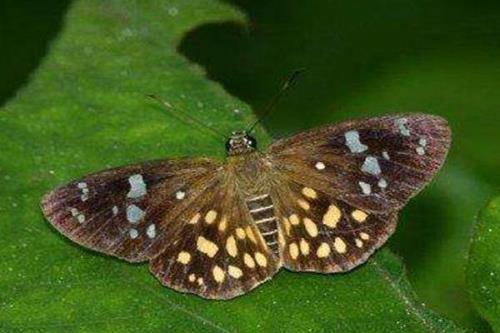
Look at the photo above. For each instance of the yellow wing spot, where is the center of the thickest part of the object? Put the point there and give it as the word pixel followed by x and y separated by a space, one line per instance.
pixel 323 250
pixel 287 225
pixel 206 246
pixel 311 227
pixel 359 215
pixel 240 233
pixel 192 277
pixel 248 260
pixel 223 224
pixel 294 219
pixel 364 236
pixel 200 281
pixel 332 216
pixel 218 274
pixel 303 204
pixel 339 245
pixel 234 271
pixel 304 247
pixel 231 247
pixel 250 234
pixel 195 218
pixel 294 250
pixel 309 192
pixel 210 216
pixel 359 242
pixel 261 259
pixel 184 257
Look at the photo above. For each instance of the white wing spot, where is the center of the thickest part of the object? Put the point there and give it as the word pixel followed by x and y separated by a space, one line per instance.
pixel 80 217
pixel 134 214
pixel 401 124
pixel 352 141
pixel 420 150
pixel 365 188
pixel 371 166
pixel 115 210
pixel 179 195
pixel 320 166
pixel 151 231
pixel 386 155
pixel 85 191
pixel 382 183
pixel 137 186
pixel 133 233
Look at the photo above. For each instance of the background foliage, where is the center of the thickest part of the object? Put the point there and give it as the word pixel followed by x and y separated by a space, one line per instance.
pixel 73 80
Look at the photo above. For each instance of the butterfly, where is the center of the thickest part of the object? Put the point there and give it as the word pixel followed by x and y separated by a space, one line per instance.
pixel 322 201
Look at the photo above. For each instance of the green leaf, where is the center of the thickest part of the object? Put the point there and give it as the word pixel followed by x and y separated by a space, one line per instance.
pixel 83 110
pixel 483 269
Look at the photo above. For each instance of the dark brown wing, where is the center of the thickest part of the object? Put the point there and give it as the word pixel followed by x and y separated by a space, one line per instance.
pixel 375 164
pixel 130 212
pixel 219 253
pixel 342 186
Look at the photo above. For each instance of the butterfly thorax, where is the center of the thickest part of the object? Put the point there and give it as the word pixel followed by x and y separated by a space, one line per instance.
pixel 251 177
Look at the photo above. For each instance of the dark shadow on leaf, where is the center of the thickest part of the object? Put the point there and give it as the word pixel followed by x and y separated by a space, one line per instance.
pixel 341 44
pixel 26 30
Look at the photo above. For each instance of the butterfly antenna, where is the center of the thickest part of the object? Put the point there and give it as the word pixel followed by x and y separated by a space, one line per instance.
pixel 276 98
pixel 191 120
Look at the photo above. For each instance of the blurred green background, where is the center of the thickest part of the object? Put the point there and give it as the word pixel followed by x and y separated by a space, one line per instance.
pixel 361 59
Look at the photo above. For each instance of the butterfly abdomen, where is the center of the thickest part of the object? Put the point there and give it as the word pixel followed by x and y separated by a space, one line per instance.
pixel 261 210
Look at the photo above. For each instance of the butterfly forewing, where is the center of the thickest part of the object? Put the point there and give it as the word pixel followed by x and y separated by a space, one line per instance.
pixel 375 164
pixel 219 253
pixel 129 212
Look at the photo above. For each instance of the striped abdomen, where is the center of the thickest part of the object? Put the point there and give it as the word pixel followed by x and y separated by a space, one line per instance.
pixel 262 211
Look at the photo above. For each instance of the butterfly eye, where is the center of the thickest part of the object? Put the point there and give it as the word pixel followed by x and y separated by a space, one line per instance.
pixel 251 141
pixel 229 144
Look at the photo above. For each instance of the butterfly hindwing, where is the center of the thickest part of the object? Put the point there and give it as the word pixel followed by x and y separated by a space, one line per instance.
pixel 219 253
pixel 128 212
pixel 324 234
pixel 376 164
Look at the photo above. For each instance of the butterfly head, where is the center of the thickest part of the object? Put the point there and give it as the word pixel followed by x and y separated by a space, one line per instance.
pixel 240 143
